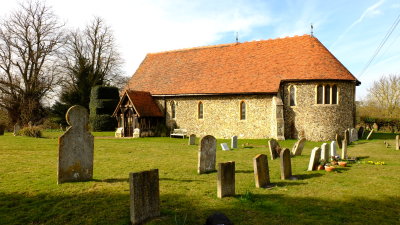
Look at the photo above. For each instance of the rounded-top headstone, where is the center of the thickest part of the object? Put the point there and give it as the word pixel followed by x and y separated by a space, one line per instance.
pixel 77 116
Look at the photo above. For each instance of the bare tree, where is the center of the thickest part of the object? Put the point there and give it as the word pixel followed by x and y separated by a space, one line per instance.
pixel 90 59
pixel 384 94
pixel 29 40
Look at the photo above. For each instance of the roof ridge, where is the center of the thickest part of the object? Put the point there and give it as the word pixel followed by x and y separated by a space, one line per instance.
pixel 226 45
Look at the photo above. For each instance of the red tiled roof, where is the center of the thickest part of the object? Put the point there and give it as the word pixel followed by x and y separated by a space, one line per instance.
pixel 142 102
pixel 250 67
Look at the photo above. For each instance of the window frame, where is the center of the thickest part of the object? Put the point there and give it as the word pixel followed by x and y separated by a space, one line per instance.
pixel 327 94
pixel 243 109
pixel 292 98
pixel 200 110
pixel 173 110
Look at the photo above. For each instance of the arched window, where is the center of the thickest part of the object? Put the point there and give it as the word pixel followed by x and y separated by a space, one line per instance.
pixel 173 110
pixel 327 94
pixel 292 95
pixel 200 110
pixel 334 94
pixel 320 94
pixel 242 110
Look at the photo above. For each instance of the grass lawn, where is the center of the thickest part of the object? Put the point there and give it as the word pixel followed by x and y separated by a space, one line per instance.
pixel 359 194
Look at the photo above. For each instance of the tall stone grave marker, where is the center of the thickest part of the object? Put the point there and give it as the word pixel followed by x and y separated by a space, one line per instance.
pixel 347 136
pixel 226 179
pixel 234 142
pixel 286 164
pixel 369 135
pixel 339 140
pixel 314 159
pixel 353 135
pixel 144 196
pixel 274 148
pixel 75 148
pixel 207 154
pixel 360 132
pixel 16 129
pixel 344 150
pixel 397 142
pixel 192 139
pixel 333 149
pixel 298 147
pixel 325 152
pixel 261 171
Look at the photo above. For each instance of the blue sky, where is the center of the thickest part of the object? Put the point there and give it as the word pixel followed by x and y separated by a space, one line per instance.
pixel 350 29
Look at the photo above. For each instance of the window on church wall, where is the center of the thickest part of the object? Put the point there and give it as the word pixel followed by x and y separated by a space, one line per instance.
pixel 292 95
pixel 327 94
pixel 173 112
pixel 334 94
pixel 242 110
pixel 200 110
pixel 320 94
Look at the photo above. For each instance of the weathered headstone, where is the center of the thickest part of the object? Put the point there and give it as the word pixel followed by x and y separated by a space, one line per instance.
pixel 16 129
pixel 218 219
pixel 30 124
pixel 344 150
pixel 369 135
pixel 224 147
pixel 360 132
pixel 226 179
pixel 325 151
pixel 286 164
pixel 298 147
pixel 75 148
pixel 136 133
pixel 144 196
pixel 119 132
pixel 274 148
pixel 333 149
pixel 207 154
pixel 347 136
pixel 339 140
pixel 234 142
pixel 261 171
pixel 397 142
pixel 314 159
pixel 354 135
pixel 192 139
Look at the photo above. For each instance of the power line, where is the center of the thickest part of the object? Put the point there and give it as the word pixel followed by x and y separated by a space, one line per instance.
pixel 390 31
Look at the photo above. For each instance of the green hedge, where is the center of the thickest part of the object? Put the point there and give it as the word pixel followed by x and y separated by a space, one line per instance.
pixel 30 132
pixel 103 123
pixel 104 92
pixel 103 106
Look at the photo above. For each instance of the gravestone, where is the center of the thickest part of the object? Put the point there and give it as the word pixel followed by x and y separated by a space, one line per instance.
pixel 298 147
pixel 75 148
pixel 261 171
pixel 333 149
pixel 119 132
pixel 207 154
pixel 224 147
pixel 347 136
pixel 274 148
pixel 192 139
pixel 218 219
pixel 286 164
pixel 226 179
pixel 234 142
pixel 144 196
pixel 344 150
pixel 397 142
pixel 30 124
pixel 136 133
pixel 325 151
pixel 314 159
pixel 354 135
pixel 339 140
pixel 16 129
pixel 369 135
pixel 360 133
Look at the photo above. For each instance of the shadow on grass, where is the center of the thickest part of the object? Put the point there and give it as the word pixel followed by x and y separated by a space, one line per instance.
pixel 382 136
pixel 181 180
pixel 112 208
pixel 112 180
pixel 244 171
pixel 307 175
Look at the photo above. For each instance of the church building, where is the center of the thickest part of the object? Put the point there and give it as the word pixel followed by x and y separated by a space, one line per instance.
pixel 278 88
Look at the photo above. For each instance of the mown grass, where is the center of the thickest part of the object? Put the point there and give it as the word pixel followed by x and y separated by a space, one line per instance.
pixel 359 194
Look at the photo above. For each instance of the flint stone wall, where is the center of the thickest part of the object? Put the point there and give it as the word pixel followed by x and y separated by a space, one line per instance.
pixel 318 122
pixel 221 115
